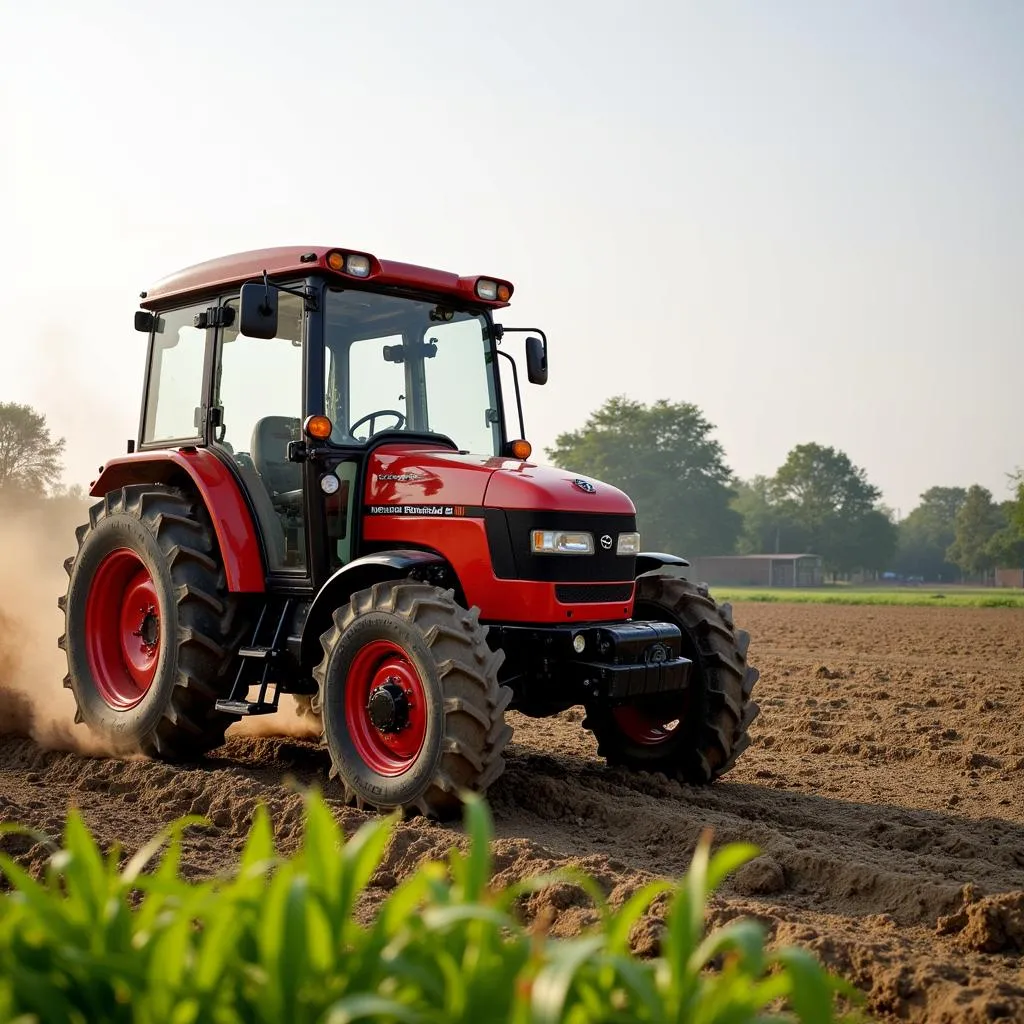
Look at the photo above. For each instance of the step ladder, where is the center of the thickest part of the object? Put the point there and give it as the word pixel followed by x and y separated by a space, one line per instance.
pixel 250 660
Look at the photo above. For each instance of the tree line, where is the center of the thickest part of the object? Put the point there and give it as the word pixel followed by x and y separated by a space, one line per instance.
pixel 690 501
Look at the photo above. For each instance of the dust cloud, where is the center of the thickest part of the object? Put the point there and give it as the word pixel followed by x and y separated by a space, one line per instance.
pixel 293 718
pixel 35 538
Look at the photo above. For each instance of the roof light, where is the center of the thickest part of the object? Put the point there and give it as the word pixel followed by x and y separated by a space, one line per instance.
pixel 487 290
pixel 357 266
pixel 504 293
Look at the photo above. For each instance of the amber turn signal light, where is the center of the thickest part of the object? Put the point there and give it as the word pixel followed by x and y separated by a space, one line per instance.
pixel 521 449
pixel 319 427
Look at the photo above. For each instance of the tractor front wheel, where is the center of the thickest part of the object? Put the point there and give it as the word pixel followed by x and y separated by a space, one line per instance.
pixel 409 697
pixel 696 735
pixel 147 622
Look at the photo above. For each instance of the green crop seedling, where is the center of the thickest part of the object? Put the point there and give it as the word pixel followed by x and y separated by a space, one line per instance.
pixel 278 939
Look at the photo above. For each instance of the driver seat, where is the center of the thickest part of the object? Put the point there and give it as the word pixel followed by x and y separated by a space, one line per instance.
pixel 269 449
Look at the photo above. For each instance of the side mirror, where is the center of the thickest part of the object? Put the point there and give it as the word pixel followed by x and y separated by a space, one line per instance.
pixel 537 361
pixel 257 313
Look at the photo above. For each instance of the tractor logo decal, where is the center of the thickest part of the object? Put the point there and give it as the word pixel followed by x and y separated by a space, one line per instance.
pixel 606 542
pixel 585 485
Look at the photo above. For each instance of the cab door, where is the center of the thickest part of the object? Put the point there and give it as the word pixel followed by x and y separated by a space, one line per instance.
pixel 256 411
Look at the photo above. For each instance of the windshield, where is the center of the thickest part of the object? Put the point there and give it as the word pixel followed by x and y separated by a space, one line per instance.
pixel 398 363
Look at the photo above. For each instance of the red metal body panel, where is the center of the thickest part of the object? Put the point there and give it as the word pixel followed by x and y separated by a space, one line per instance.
pixel 464 543
pixel 243 266
pixel 527 485
pixel 400 475
pixel 232 521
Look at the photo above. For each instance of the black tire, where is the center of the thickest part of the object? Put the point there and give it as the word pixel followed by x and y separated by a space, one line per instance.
pixel 163 532
pixel 716 713
pixel 462 705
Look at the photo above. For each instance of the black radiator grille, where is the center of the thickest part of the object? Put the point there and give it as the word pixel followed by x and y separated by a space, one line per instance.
pixel 508 536
pixel 592 593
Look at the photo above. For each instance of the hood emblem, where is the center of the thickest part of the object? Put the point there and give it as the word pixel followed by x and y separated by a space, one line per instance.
pixel 585 485
pixel 606 542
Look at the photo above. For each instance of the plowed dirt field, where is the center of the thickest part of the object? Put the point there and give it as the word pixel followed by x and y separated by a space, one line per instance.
pixel 884 784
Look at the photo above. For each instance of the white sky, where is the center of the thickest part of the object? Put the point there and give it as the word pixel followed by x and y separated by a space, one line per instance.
pixel 808 218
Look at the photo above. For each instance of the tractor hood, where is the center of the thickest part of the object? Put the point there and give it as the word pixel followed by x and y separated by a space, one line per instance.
pixel 427 476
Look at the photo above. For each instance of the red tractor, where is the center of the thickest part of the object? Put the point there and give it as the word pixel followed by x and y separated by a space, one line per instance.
pixel 324 500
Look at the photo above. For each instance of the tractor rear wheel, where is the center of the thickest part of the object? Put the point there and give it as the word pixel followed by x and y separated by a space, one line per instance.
pixel 409 698
pixel 147 625
pixel 697 735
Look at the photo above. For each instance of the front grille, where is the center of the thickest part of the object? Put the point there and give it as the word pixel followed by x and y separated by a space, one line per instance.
pixel 593 593
pixel 508 537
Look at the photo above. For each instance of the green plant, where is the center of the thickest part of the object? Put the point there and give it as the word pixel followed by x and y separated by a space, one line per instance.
pixel 280 939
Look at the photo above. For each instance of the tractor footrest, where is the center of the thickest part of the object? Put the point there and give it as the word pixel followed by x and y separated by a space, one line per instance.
pixel 246 707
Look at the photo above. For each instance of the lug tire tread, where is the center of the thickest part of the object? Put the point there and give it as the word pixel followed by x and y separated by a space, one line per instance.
pixel 190 725
pixel 728 711
pixel 468 671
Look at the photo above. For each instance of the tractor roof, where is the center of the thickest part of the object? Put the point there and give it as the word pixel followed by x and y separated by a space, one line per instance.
pixel 291 260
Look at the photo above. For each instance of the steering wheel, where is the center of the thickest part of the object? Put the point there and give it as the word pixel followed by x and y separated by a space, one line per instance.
pixel 372 417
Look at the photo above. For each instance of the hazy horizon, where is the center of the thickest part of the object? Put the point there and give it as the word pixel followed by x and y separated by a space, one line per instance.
pixel 806 218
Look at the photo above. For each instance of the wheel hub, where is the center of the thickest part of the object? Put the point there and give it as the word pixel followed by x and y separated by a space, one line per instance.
pixel 149 629
pixel 388 707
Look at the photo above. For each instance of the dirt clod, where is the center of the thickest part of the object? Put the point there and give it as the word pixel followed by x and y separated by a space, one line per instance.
pixel 993 924
pixel 760 877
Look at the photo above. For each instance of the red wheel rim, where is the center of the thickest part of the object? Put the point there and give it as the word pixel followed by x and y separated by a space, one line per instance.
pixel 651 727
pixel 381 678
pixel 122 629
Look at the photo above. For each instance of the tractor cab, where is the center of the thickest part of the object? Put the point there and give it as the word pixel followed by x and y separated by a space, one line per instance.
pixel 307 374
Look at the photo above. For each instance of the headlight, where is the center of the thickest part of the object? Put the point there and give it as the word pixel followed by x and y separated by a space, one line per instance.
pixel 629 544
pixel 561 542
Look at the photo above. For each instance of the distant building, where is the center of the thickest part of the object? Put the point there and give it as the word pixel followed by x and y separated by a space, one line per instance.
pixel 1009 578
pixel 759 570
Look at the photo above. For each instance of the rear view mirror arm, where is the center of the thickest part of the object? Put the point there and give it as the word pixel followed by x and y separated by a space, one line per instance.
pixel 519 398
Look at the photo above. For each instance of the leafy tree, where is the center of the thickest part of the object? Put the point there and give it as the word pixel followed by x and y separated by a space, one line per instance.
pixel 30 460
pixel 1006 548
pixel 927 533
pixel 1007 545
pixel 876 539
pixel 977 523
pixel 767 527
pixel 817 483
pixel 1016 506
pixel 821 491
pixel 664 458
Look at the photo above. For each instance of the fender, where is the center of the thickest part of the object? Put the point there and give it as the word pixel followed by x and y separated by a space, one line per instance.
pixel 359 574
pixel 232 521
pixel 646 561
